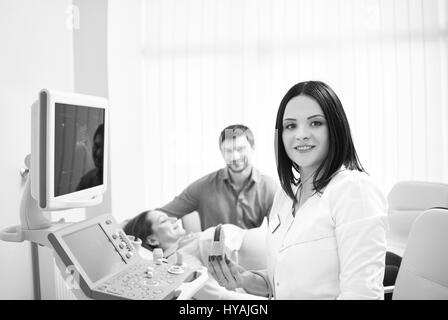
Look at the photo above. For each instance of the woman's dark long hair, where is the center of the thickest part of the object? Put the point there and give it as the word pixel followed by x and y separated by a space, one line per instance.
pixel 141 228
pixel 341 150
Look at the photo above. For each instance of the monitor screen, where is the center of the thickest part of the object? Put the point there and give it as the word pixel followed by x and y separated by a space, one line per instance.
pixel 79 146
pixel 95 253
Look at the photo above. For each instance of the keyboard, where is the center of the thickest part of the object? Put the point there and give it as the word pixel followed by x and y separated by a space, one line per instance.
pixel 146 280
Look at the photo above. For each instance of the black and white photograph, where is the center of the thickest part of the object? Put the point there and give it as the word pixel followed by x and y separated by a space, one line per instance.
pixel 224 154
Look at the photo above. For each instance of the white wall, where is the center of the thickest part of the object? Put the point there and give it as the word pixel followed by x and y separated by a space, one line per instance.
pixel 36 52
pixel 127 122
pixel 212 63
pixel 64 45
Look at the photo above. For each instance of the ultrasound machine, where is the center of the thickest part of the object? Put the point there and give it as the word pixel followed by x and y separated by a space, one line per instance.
pixel 68 169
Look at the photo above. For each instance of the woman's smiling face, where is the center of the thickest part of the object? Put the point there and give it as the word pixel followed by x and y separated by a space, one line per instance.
pixel 165 229
pixel 305 133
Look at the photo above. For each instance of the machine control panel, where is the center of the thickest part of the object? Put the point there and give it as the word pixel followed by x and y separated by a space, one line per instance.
pixel 110 267
pixel 146 280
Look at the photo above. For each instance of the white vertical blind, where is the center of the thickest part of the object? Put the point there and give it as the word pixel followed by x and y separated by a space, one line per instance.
pixel 211 63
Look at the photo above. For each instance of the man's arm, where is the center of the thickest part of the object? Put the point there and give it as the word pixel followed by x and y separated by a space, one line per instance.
pixel 185 203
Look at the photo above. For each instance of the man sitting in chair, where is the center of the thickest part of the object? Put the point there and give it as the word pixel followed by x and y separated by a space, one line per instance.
pixel 157 230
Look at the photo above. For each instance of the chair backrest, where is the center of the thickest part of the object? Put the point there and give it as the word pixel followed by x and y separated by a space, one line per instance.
pixel 406 200
pixel 423 272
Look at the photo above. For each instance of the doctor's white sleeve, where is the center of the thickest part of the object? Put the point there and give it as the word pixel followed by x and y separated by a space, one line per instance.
pixel 359 211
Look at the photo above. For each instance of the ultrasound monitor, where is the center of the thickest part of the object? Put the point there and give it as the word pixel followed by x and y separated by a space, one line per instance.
pixel 69 149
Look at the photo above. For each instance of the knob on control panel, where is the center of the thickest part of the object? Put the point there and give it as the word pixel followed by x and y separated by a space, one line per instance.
pixel 179 259
pixel 157 255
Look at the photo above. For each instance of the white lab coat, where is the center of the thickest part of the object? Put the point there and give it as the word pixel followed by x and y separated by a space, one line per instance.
pixel 335 246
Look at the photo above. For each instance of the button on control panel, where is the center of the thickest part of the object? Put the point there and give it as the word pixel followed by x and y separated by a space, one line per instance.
pixel 120 241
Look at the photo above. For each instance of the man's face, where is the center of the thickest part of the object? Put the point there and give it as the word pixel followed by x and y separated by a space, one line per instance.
pixel 237 153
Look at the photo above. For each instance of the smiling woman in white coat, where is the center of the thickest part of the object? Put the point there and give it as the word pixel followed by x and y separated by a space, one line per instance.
pixel 326 235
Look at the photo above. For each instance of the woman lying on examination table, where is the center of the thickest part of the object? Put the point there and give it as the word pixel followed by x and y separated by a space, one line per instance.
pixel 326 236
pixel 157 230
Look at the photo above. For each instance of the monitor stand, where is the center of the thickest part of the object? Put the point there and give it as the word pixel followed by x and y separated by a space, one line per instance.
pixel 34 226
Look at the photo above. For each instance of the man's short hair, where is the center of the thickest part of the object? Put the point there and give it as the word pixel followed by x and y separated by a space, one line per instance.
pixel 234 131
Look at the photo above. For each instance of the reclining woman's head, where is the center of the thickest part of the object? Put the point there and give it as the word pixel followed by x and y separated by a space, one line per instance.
pixel 155 229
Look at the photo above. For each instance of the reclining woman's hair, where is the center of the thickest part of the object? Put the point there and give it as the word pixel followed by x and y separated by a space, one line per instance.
pixel 141 228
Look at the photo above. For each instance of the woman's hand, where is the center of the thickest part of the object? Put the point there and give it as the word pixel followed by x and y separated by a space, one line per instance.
pixel 228 273
pixel 231 275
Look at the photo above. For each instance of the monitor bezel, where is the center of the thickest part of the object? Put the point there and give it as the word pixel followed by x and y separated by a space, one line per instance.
pixel 76 198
